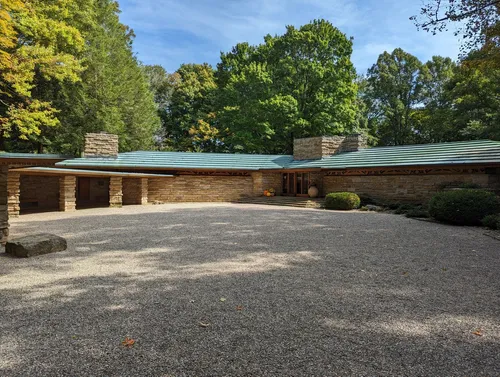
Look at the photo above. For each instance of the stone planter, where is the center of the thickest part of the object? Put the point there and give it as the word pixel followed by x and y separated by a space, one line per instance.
pixel 313 191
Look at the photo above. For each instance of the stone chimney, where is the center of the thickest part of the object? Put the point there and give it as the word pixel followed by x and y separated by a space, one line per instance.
pixel 101 145
pixel 315 148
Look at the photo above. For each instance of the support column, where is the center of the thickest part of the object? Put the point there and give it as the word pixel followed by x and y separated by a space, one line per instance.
pixel 13 193
pixel 115 191
pixel 67 193
pixel 258 184
pixel 143 191
pixel 4 213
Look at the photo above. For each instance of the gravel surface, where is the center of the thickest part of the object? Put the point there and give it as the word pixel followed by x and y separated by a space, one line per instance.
pixel 247 290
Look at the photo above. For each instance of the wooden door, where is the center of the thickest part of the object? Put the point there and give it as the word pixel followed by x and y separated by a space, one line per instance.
pixel 83 188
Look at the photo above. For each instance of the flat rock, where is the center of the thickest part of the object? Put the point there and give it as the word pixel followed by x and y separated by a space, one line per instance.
pixel 35 244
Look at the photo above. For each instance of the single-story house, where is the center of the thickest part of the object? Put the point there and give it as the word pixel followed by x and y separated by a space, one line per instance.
pixel 104 177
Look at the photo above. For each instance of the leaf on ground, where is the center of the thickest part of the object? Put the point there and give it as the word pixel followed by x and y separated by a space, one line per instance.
pixel 478 332
pixel 239 307
pixel 128 342
pixel 203 324
pixel 404 273
pixel 444 269
pixel 222 299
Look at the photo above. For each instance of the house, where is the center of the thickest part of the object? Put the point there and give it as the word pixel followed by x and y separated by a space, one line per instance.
pixel 104 177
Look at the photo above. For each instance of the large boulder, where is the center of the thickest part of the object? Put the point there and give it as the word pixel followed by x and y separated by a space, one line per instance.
pixel 35 244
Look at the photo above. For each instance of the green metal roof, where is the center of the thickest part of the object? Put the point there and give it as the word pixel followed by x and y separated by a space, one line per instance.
pixel 453 153
pixel 182 160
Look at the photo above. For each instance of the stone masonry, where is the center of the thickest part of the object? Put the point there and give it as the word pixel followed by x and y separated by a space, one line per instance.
pixel 313 148
pixel 101 145
pixel 400 188
pixel 264 181
pixel 67 193
pixel 135 191
pixel 115 192
pixel 199 188
pixel 4 213
pixel 13 193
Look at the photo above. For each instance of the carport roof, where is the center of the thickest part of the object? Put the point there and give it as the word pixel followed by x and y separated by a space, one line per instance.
pixel 84 173
pixel 478 152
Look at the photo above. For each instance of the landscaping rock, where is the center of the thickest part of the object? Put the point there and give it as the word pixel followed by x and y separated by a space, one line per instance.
pixel 35 244
pixel 372 207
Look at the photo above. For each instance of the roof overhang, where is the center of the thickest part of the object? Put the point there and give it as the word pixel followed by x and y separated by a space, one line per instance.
pixel 46 171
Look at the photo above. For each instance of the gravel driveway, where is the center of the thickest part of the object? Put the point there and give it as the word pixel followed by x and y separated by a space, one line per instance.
pixel 246 290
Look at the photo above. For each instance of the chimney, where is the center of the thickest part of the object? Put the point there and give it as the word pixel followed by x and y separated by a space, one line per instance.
pixel 315 148
pixel 101 145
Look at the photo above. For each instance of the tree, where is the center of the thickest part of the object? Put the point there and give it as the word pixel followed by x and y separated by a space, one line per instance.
pixel 298 84
pixel 37 44
pixel 188 118
pixel 475 92
pixel 396 89
pixel 433 121
pixel 478 20
pixel 113 94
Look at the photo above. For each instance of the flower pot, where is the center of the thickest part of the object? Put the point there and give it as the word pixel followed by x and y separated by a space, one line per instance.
pixel 313 192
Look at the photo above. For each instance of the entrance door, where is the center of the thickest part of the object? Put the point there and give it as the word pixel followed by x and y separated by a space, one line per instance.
pixel 83 188
pixel 295 184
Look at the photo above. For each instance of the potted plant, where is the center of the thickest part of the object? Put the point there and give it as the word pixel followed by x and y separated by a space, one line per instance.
pixel 266 192
pixel 272 192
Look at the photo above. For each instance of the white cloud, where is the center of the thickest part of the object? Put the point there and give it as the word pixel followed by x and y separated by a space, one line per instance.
pixel 171 32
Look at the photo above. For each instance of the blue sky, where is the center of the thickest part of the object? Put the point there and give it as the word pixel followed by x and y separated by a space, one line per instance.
pixel 172 32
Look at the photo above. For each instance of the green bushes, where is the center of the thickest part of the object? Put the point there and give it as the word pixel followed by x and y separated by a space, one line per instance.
pixel 463 207
pixel 342 201
pixel 492 221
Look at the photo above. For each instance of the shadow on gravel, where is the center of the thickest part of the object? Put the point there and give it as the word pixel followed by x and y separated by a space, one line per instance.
pixel 321 294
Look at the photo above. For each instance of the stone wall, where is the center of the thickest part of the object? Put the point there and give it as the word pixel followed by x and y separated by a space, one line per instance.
pixel 318 147
pixel 67 193
pixel 197 188
pixel 115 191
pixel 265 180
pixel 135 190
pixel 39 192
pixel 402 188
pixel 101 145
pixel 4 214
pixel 13 193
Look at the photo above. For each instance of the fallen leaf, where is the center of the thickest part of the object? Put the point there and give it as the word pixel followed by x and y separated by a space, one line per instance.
pixel 128 342
pixel 404 273
pixel 444 269
pixel 239 307
pixel 222 299
pixel 203 324
pixel 478 332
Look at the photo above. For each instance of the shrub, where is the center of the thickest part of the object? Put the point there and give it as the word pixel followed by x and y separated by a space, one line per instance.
pixel 492 221
pixel 463 207
pixel 342 200
pixel 418 212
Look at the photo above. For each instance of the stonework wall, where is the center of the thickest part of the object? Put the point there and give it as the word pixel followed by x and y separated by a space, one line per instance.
pixel 115 192
pixel 67 193
pixel 13 193
pixel 317 147
pixel 4 214
pixel 266 180
pixel 197 188
pixel 101 145
pixel 400 188
pixel 39 192
pixel 135 190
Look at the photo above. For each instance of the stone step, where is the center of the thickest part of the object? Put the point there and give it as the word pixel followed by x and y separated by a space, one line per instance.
pixel 286 201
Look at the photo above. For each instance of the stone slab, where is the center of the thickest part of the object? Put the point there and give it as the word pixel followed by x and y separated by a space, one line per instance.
pixel 35 244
